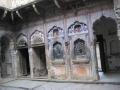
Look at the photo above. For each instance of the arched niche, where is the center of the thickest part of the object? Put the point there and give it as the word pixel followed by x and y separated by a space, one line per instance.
pixel 37 38
pixel 38 54
pixel 105 30
pixel 57 51
pixel 21 41
pixel 56 40
pixel 55 32
pixel 105 25
pixel 23 64
pixel 79 47
pixel 77 28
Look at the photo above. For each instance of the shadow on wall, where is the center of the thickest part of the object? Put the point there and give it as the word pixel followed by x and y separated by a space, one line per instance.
pixel 105 31
pixel 4 57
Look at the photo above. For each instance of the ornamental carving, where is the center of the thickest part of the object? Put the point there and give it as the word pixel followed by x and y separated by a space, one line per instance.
pixel 37 38
pixel 55 32
pixel 77 28
pixel 21 41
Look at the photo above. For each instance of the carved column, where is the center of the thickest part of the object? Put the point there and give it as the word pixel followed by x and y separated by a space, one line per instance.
pixel 117 14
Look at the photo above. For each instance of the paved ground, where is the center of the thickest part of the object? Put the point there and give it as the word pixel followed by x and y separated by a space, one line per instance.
pixel 106 82
pixel 39 85
pixel 109 77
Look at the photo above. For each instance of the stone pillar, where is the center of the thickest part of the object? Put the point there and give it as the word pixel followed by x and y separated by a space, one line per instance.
pixel 30 51
pixel 15 64
pixel 67 50
pixel 13 60
pixel 117 14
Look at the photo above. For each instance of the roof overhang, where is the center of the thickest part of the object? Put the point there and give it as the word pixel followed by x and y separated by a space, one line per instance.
pixel 13 5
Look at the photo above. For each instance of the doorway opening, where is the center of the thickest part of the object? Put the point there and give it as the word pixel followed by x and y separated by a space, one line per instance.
pixel 24 62
pixel 40 68
pixel 98 56
pixel 100 52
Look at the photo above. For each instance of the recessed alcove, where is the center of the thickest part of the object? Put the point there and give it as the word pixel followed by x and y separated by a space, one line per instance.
pixel 24 62
pixel 40 68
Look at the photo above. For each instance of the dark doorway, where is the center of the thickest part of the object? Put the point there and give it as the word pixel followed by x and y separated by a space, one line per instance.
pixel 40 68
pixel 101 57
pixel 24 62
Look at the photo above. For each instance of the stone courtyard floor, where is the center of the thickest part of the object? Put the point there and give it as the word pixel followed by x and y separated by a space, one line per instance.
pixel 106 82
pixel 40 85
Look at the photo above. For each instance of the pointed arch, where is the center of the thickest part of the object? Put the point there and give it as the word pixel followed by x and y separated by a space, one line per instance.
pixel 55 32
pixel 21 40
pixel 105 25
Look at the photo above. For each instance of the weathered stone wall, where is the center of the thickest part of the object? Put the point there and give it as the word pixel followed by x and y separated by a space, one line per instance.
pixel 6 51
pixel 67 67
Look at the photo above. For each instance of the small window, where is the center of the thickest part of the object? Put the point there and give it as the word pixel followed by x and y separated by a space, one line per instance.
pixel 57 51
pixel 79 47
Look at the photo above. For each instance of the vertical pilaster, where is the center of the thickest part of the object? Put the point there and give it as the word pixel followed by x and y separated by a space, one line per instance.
pixel 30 50
pixel 117 14
pixel 48 61
pixel 15 64
pixel 66 49
pixel 92 48
pixel 12 54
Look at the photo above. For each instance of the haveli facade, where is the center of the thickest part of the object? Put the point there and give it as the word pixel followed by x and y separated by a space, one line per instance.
pixel 62 45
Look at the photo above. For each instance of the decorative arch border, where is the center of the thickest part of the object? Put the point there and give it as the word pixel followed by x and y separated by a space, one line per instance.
pixel 77 28
pixel 98 23
pixel 37 38
pixel 58 30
